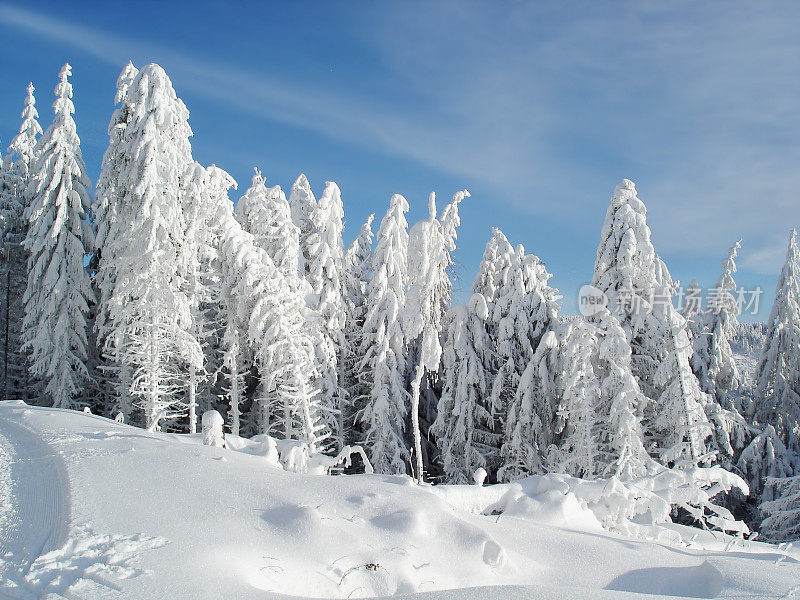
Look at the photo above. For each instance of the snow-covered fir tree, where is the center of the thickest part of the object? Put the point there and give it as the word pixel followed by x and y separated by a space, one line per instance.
pixel 712 360
pixel 223 345
pixel 357 265
pixel 115 378
pixel 427 300
pixel 383 368
pixel 766 457
pixel 601 435
pixel 778 384
pixel 325 274
pixel 150 329
pixel 59 292
pixel 714 364
pixel 301 204
pixel 14 199
pixel 264 212
pixel 267 314
pixel 577 451
pixel 618 431
pixel 639 290
pixel 466 428
pixel 782 521
pixel 525 314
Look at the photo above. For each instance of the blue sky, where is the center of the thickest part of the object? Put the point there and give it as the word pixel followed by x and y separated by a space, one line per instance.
pixel 538 109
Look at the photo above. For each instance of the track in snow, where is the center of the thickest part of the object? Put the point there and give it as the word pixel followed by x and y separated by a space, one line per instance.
pixel 34 500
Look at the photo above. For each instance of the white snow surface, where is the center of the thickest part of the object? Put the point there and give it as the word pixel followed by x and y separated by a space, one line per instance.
pixel 91 508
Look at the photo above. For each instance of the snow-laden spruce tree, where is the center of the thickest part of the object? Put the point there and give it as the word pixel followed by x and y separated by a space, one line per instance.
pixel 149 330
pixel 22 154
pixel 782 522
pixel 115 383
pixel 427 300
pixel 598 424
pixel 325 274
pixel 626 272
pixel 525 317
pixel 384 365
pixel 713 361
pixel 639 290
pixel 301 204
pixel 577 411
pixel 58 239
pixel 466 428
pixel 267 314
pixel 264 212
pixel 621 452
pixel 778 383
pixel 679 427
pixel 763 458
pixel 357 265
pixel 19 161
pixel 225 344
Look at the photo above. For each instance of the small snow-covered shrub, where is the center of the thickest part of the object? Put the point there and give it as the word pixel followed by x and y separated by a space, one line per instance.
pixel 212 429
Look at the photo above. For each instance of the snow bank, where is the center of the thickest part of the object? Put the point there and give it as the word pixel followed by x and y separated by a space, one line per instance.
pixel 156 515
pixel 636 508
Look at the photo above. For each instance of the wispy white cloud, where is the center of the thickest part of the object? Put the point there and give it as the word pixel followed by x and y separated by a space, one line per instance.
pixel 544 103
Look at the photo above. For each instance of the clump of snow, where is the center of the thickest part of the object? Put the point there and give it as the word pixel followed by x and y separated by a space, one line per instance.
pixel 212 429
pixel 479 476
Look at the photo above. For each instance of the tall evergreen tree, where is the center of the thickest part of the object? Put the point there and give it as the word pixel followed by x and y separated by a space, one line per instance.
pixel 271 322
pixel 714 364
pixel 357 271
pixel 59 237
pixel 526 315
pixel 383 370
pixel 150 329
pixel 325 275
pixel 778 383
pixel 302 203
pixel 428 299
pixel 115 378
pixel 466 429
pixel 639 290
pixel 713 361
pixel 264 212
pixel 14 199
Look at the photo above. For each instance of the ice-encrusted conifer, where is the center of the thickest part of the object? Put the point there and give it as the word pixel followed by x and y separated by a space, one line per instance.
pixel 59 292
pixel 149 328
pixel 325 276
pixel 357 266
pixel 466 428
pixel 427 300
pixel 14 186
pixel 384 366
pixel 778 382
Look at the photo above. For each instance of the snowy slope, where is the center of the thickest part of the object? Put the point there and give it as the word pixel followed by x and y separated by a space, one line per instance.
pixel 90 508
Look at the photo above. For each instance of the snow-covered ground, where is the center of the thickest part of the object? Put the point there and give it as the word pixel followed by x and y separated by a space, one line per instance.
pixel 90 508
